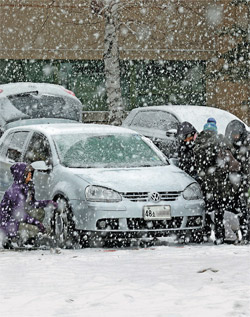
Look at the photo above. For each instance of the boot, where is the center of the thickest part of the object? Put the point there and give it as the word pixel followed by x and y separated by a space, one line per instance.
pixel 8 244
pixel 219 229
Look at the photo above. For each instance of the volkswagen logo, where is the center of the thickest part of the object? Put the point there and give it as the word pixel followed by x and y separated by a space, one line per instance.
pixel 155 197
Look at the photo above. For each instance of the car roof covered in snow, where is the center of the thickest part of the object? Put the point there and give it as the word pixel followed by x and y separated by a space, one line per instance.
pixel 196 115
pixel 72 128
pixel 24 87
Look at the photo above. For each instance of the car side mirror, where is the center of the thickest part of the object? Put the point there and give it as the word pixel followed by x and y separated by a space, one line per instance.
pixel 40 166
pixel 171 133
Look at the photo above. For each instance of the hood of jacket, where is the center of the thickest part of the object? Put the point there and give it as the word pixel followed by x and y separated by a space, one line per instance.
pixel 236 127
pixel 184 129
pixel 18 170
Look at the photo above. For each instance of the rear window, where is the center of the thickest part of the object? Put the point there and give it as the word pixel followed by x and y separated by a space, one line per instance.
pixel 36 105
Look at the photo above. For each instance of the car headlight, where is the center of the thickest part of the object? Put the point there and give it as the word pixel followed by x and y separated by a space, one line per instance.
pixel 192 192
pixel 98 193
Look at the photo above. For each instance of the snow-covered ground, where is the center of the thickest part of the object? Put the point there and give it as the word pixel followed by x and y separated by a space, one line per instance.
pixel 169 281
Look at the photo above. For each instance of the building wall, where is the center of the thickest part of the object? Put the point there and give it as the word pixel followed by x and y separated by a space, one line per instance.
pixel 231 96
pixel 69 30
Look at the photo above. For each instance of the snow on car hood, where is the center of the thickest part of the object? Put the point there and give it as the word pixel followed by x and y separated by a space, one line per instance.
pixel 141 179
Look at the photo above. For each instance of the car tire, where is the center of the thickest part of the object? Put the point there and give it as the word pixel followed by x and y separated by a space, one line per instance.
pixel 91 240
pixel 63 227
pixel 184 238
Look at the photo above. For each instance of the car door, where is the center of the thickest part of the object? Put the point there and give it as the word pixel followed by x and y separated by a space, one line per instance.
pixel 12 149
pixel 159 126
pixel 39 150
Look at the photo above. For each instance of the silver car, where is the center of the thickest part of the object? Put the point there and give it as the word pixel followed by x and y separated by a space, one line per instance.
pixel 109 181
pixel 159 123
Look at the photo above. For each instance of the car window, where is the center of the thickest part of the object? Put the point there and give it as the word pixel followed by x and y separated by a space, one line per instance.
pixel 14 145
pixel 35 105
pixel 5 144
pixel 160 120
pixel 38 149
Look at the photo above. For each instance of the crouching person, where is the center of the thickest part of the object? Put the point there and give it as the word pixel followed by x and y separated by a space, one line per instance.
pixel 21 215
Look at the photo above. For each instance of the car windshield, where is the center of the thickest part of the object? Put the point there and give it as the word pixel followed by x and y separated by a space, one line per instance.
pixel 105 151
pixel 36 105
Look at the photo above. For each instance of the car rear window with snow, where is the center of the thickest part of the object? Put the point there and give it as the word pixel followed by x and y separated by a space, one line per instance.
pixel 37 105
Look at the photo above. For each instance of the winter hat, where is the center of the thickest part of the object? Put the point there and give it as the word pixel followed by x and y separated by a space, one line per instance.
pixel 210 126
pixel 211 120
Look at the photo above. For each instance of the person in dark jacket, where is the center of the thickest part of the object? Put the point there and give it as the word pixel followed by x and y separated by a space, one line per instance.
pixel 214 164
pixel 186 134
pixel 238 136
pixel 18 207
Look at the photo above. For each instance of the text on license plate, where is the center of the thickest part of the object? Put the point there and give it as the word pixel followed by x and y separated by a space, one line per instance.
pixel 156 212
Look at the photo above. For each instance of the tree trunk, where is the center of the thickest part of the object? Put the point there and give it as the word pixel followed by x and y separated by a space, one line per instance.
pixel 112 65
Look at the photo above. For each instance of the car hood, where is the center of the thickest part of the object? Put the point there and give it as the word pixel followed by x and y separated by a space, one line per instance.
pixel 144 179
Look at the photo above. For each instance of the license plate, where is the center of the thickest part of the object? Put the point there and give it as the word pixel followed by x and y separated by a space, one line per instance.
pixel 157 212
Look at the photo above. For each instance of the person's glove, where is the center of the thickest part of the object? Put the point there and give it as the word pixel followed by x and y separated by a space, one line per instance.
pixel 53 204
pixel 41 227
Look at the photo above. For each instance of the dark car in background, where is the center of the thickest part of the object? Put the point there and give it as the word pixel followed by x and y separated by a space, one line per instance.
pixel 159 123
pixel 36 103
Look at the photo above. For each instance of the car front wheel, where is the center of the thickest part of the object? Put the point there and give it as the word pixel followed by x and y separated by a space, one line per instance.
pixel 63 226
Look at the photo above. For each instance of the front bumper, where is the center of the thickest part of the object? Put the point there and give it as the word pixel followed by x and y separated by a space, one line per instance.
pixel 126 217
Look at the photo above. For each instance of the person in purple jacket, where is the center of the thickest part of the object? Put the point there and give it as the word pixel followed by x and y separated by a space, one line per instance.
pixel 21 215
